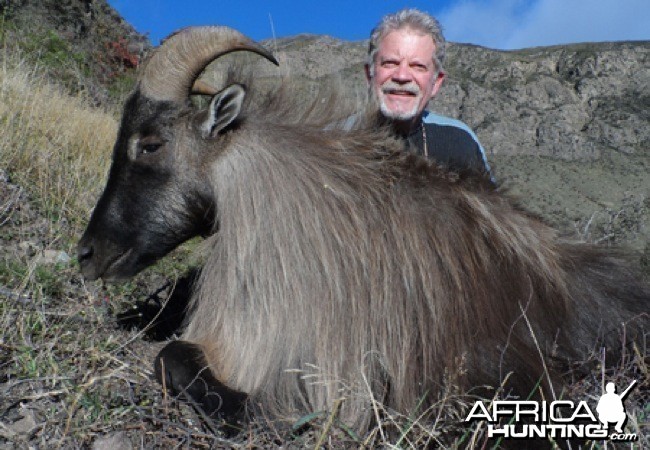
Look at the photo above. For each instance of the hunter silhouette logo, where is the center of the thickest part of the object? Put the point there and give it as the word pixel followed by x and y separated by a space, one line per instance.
pixel 610 407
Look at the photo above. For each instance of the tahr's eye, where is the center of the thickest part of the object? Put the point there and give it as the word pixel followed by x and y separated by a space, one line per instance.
pixel 143 146
pixel 149 145
pixel 149 148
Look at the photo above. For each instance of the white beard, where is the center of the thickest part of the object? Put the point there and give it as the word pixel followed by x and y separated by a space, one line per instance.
pixel 398 115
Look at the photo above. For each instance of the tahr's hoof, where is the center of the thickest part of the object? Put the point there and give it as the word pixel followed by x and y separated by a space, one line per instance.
pixel 183 367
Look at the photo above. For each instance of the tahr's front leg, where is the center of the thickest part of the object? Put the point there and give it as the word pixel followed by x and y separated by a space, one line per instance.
pixel 183 368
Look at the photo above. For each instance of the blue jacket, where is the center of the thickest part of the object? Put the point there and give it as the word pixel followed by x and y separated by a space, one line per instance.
pixel 451 143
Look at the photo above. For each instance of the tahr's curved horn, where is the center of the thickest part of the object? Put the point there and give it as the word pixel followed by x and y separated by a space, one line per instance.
pixel 174 66
pixel 202 88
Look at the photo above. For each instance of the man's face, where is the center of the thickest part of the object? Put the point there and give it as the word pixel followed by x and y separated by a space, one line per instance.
pixel 405 77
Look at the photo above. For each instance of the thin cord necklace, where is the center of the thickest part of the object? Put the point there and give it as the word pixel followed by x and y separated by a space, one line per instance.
pixel 424 140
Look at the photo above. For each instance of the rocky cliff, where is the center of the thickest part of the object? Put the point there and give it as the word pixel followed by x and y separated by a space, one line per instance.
pixel 83 44
pixel 570 102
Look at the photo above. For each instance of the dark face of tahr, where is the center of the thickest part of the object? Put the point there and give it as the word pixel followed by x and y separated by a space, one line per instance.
pixel 154 199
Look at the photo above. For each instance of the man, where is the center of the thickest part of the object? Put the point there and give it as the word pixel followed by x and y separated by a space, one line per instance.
pixel 404 71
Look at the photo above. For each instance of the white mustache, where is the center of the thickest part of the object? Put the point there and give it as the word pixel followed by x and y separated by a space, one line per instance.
pixel 390 86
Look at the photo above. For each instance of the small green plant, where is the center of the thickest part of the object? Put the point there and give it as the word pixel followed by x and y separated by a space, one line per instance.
pixel 12 272
pixel 27 364
pixel 48 279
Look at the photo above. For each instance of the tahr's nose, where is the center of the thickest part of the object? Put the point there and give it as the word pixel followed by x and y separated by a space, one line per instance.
pixel 84 252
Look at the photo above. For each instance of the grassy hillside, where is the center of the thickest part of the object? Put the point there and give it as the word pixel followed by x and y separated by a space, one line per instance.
pixel 56 146
pixel 67 374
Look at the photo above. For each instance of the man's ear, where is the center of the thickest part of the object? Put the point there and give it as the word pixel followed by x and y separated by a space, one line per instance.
pixel 368 74
pixel 437 83
pixel 224 108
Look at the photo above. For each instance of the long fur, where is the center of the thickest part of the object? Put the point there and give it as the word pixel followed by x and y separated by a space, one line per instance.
pixel 345 267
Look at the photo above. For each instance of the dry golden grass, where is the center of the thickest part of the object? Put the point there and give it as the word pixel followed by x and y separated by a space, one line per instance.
pixel 56 146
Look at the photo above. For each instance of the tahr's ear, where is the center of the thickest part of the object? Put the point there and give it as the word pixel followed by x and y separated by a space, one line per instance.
pixel 224 108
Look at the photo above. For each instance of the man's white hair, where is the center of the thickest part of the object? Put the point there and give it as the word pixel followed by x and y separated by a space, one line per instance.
pixel 408 18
